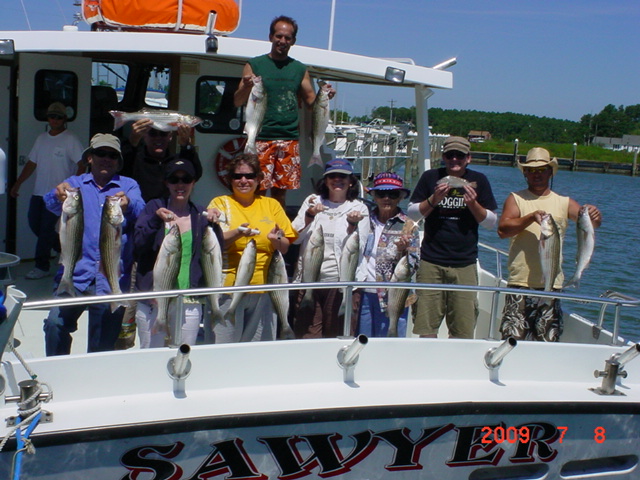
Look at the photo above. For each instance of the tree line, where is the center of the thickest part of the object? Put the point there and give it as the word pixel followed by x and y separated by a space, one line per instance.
pixel 611 121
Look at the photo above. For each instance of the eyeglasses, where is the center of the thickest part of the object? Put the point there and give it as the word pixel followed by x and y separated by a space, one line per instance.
pixel 535 169
pixel 455 154
pixel 54 116
pixel 106 154
pixel 248 176
pixel 157 133
pixel 173 180
pixel 392 194
pixel 336 175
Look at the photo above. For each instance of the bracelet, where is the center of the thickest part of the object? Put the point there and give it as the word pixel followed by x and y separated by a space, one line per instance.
pixel 307 214
pixel 430 204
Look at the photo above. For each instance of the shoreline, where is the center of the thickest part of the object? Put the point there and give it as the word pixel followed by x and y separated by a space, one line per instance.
pixel 509 160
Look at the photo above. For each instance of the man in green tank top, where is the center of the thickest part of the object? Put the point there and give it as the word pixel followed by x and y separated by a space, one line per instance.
pixel 287 83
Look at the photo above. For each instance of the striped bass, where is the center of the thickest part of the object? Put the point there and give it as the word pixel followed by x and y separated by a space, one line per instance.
pixel 312 262
pixel 111 244
pixel 586 244
pixel 550 250
pixel 320 117
pixel 211 262
pixel 165 275
pixel 164 120
pixel 244 274
pixel 397 297
pixel 277 274
pixel 349 263
pixel 71 232
pixel 254 114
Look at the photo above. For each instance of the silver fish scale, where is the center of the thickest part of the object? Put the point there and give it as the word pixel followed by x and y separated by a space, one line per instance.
pixel 165 272
pixel 211 262
pixel 71 236
pixel 111 241
pixel 550 251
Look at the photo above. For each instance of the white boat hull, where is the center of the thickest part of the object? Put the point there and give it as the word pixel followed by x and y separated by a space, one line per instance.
pixel 413 408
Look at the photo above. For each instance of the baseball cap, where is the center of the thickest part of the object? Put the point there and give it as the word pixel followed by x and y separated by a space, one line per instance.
pixel 57 108
pixel 388 181
pixel 179 165
pixel 458 144
pixel 104 140
pixel 338 165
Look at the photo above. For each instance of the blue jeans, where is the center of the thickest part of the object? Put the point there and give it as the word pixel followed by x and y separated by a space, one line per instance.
pixel 104 326
pixel 374 323
pixel 43 225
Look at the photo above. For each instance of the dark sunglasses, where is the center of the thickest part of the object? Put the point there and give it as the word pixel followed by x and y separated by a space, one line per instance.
pixel 336 175
pixel 157 133
pixel 248 176
pixel 392 194
pixel 173 180
pixel 455 154
pixel 55 117
pixel 106 154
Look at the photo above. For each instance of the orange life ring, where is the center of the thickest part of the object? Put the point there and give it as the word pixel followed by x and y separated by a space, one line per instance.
pixel 226 152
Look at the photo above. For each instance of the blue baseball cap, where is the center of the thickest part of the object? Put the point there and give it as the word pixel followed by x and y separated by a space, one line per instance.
pixel 388 181
pixel 338 165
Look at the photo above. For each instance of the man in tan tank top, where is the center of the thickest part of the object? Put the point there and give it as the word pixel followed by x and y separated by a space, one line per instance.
pixel 525 317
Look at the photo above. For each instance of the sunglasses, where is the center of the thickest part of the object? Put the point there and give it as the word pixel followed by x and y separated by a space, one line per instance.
pixel 186 179
pixel 248 176
pixel 157 133
pixel 535 169
pixel 106 154
pixel 336 175
pixel 392 194
pixel 55 117
pixel 454 154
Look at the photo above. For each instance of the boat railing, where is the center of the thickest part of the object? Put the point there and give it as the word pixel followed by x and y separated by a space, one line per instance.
pixel 499 256
pixel 617 301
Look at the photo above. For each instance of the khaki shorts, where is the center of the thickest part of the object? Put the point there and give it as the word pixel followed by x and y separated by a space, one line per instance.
pixel 459 308
pixel 280 164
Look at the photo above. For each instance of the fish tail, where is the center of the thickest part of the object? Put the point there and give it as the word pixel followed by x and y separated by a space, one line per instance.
pixel 66 286
pixel 118 119
pixel 315 160
pixel 116 305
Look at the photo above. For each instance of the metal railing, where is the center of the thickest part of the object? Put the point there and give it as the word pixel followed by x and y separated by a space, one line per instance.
pixel 618 301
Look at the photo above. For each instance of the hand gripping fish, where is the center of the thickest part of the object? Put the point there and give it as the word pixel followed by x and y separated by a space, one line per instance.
pixel 254 114
pixel 111 244
pixel 321 115
pixel 550 250
pixel 164 120
pixel 586 244
pixel 456 182
pixel 165 274
pixel 277 274
pixel 244 274
pixel 211 262
pixel 397 297
pixel 71 232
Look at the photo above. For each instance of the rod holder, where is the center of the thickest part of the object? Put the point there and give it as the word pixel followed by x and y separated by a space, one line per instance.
pixel 179 368
pixel 348 356
pixel 613 368
pixel 493 357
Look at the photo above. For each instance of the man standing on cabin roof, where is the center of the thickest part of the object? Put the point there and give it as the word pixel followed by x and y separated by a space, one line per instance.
pixel 287 82
pixel 525 317
pixel 453 200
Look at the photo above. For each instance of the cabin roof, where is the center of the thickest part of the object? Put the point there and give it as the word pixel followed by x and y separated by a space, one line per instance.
pixel 330 65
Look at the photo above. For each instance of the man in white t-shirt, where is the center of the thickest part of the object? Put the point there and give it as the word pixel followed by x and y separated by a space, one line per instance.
pixel 55 155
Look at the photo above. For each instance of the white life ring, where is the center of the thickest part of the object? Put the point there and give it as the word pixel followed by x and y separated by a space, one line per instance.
pixel 226 152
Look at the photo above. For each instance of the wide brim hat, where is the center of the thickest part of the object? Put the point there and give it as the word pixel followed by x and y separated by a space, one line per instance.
pixel 105 140
pixel 388 181
pixel 539 157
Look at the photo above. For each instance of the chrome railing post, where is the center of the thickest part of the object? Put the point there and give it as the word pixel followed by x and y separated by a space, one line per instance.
pixel 348 308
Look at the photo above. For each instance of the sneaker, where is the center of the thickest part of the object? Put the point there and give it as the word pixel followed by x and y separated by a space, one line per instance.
pixel 36 274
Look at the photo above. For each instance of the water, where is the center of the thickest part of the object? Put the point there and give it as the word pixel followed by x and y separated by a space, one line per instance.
pixel 616 260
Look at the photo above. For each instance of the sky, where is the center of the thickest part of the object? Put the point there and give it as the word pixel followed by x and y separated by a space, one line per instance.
pixel 549 58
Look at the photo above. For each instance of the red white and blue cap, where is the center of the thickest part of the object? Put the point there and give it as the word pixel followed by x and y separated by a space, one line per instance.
pixel 338 165
pixel 388 181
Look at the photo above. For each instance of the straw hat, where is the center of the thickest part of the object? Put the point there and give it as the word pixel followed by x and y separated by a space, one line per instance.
pixel 539 157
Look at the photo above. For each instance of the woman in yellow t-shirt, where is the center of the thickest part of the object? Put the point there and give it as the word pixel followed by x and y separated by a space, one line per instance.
pixel 246 215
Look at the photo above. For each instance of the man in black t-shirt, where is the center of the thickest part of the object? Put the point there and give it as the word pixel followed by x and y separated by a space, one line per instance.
pixel 453 200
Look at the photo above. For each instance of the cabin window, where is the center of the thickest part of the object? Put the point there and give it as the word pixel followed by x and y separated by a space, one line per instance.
pixel 158 87
pixel 55 86
pixel 112 75
pixel 214 105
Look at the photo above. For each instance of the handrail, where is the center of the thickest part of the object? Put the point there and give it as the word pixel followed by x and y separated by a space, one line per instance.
pixel 348 287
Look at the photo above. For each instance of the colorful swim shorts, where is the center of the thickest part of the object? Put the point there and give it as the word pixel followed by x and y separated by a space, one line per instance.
pixel 280 164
